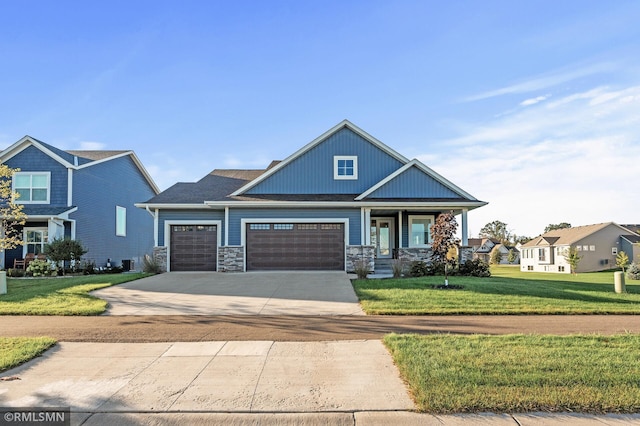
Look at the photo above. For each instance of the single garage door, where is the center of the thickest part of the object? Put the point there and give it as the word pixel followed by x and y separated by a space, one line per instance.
pixel 295 246
pixel 193 247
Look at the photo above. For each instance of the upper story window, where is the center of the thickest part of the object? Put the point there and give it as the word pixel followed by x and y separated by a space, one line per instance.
pixel 345 167
pixel 33 187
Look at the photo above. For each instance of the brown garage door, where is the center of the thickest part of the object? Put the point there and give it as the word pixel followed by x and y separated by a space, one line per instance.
pixel 193 247
pixel 295 246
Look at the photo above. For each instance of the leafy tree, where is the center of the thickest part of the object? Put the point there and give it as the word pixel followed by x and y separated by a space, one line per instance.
pixel 444 239
pixel 553 227
pixel 496 230
pixel 511 256
pixel 520 239
pixel 496 256
pixel 64 250
pixel 11 214
pixel 572 258
pixel 622 260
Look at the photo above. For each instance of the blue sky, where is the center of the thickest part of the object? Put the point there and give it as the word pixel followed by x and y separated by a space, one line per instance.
pixel 531 106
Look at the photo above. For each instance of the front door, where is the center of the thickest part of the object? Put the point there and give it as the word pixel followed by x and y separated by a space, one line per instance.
pixel 383 237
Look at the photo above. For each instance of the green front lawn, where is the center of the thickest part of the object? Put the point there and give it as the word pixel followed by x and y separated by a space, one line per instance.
pixel 16 350
pixel 59 296
pixel 517 373
pixel 507 291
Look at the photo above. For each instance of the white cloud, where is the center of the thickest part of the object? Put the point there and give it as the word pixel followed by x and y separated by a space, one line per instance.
pixel 545 81
pixel 533 101
pixel 92 146
pixel 573 160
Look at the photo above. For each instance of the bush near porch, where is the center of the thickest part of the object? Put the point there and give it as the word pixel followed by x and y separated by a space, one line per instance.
pixel 507 292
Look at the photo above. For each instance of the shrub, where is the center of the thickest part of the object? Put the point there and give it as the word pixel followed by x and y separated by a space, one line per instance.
pixel 64 250
pixel 150 265
pixel 474 268
pixel 361 268
pixel 88 267
pixel 633 272
pixel 41 268
pixel 15 272
pixel 397 266
pixel 419 268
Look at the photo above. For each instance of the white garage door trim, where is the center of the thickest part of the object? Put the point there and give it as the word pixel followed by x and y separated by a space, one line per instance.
pixel 167 234
pixel 245 222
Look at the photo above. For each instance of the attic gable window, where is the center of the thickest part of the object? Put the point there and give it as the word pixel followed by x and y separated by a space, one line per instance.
pixel 33 187
pixel 345 167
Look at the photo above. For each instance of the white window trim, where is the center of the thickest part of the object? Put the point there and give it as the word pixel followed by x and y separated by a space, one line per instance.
pixel 412 217
pixel 118 233
pixel 22 201
pixel 345 157
pixel 25 230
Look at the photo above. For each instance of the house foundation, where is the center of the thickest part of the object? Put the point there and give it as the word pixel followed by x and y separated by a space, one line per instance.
pixel 357 253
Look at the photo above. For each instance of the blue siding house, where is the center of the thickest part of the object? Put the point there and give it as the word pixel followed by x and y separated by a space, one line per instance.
pixel 84 195
pixel 343 197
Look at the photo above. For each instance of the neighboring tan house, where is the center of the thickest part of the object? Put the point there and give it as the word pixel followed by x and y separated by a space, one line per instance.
pixel 343 197
pixel 83 195
pixel 598 245
pixel 484 247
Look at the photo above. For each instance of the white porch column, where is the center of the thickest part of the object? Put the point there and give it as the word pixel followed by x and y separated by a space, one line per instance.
pixel 155 228
pixel 367 224
pixel 465 229
pixel 55 229
pixel 400 229
pixel 226 226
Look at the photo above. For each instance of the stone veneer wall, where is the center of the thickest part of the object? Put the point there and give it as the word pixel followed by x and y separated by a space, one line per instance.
pixel 231 259
pixel 413 254
pixel 355 253
pixel 160 256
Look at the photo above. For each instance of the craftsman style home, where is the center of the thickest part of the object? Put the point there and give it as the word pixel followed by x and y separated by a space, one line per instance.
pixel 84 195
pixel 343 197
pixel 597 245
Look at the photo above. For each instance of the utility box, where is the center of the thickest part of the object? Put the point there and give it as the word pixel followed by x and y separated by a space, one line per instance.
pixel 618 280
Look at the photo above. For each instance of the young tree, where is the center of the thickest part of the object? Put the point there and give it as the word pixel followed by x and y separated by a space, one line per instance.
pixel 496 230
pixel 572 258
pixel 11 214
pixel 444 239
pixel 511 256
pixel 64 250
pixel 622 260
pixel 496 256
pixel 553 227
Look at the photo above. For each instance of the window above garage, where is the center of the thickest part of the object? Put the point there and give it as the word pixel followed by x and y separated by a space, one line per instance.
pixel 345 167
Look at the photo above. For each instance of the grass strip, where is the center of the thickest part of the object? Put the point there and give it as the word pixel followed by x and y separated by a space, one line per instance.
pixel 60 295
pixel 507 292
pixel 520 373
pixel 17 350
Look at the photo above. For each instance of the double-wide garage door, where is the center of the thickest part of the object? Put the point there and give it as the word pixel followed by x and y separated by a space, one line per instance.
pixel 295 246
pixel 194 247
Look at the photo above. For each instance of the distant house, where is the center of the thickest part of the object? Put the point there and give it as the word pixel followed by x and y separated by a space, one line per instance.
pixel 483 248
pixel 344 197
pixel 83 195
pixel 630 243
pixel 598 245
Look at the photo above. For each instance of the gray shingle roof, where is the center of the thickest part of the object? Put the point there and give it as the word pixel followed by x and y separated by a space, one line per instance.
pixel 44 210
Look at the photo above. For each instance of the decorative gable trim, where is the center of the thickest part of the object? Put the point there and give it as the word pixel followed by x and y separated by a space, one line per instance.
pixel 429 172
pixel 343 124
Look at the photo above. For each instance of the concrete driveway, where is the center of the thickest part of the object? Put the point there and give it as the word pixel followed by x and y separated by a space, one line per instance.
pixel 248 293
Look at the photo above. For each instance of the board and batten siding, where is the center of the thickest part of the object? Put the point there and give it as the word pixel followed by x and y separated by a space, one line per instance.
pixel 97 191
pixel 32 159
pixel 187 215
pixel 312 172
pixel 413 183
pixel 236 215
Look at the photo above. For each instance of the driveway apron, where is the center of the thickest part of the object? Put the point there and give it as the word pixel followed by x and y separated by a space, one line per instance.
pixel 247 293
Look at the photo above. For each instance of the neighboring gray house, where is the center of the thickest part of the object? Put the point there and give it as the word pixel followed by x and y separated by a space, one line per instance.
pixel 630 243
pixel 484 247
pixel 598 245
pixel 342 197
pixel 84 195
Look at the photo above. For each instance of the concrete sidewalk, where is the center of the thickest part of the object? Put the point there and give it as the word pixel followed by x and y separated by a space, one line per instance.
pixel 246 293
